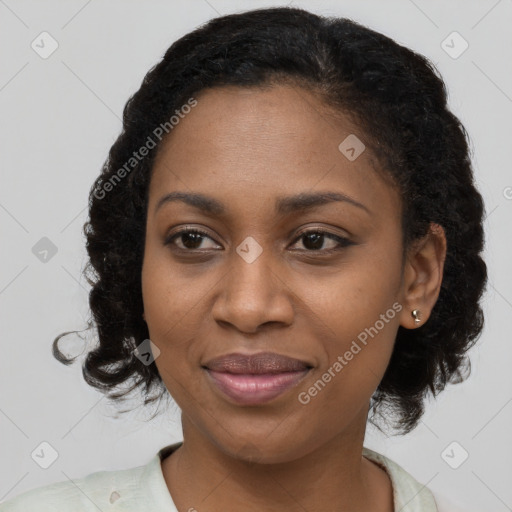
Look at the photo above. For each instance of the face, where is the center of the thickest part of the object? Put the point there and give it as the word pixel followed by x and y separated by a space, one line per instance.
pixel 319 280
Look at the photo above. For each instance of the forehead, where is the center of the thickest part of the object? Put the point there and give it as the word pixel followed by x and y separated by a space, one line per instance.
pixel 253 144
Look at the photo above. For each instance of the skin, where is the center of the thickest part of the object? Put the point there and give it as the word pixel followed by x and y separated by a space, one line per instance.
pixel 246 147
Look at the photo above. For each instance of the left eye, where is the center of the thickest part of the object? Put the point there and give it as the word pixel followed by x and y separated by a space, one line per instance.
pixel 313 240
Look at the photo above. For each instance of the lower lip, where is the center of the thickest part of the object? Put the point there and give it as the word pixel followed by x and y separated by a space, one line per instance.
pixel 249 389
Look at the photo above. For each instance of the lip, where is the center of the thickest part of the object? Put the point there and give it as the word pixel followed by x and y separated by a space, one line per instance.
pixel 259 363
pixel 257 378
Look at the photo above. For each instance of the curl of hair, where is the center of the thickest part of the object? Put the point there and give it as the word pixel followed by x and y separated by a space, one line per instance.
pixel 399 102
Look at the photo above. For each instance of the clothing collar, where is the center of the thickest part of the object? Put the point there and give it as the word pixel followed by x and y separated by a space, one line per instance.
pixel 408 494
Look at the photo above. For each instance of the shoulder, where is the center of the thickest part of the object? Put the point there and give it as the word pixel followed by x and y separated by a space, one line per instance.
pixel 409 495
pixel 96 491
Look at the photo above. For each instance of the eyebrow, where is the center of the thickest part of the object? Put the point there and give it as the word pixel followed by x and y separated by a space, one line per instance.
pixel 284 205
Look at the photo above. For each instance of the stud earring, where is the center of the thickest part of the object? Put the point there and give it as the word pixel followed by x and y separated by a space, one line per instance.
pixel 416 315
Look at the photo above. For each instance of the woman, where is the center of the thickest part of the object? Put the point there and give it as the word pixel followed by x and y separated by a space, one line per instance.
pixel 286 237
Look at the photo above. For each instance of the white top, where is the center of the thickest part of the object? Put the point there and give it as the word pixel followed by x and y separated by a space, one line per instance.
pixel 143 488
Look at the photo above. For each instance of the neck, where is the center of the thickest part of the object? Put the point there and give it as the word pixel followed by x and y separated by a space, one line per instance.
pixel 334 476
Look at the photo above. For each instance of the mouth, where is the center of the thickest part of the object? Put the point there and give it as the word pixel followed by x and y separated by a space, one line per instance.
pixel 255 379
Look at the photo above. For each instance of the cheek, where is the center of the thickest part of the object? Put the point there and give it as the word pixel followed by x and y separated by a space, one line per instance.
pixel 360 308
pixel 175 310
pixel 357 294
pixel 171 296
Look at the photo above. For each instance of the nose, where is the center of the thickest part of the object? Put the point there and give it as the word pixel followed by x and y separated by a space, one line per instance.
pixel 253 294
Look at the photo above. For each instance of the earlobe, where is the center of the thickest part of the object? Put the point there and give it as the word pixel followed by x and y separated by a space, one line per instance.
pixel 423 277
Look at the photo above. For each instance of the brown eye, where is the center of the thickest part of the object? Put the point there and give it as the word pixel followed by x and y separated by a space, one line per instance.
pixel 313 240
pixel 191 239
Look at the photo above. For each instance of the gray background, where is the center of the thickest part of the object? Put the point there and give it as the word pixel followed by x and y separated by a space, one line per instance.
pixel 59 117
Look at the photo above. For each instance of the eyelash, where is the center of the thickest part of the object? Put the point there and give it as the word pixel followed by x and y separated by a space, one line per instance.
pixel 342 241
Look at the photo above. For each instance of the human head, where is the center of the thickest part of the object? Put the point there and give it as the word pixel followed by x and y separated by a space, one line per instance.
pixel 398 103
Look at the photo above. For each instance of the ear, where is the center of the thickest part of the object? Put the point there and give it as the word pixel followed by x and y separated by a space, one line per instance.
pixel 423 275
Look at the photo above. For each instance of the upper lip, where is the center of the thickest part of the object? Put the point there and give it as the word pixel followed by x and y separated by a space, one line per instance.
pixel 260 363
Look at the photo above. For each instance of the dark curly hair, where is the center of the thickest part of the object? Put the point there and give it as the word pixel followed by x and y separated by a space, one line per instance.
pixel 399 101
